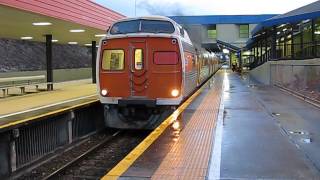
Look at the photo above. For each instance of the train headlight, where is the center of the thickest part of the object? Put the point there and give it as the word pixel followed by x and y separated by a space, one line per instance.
pixel 174 92
pixel 104 92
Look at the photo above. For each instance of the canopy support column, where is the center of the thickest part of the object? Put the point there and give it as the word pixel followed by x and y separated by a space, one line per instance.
pixel 49 62
pixel 93 61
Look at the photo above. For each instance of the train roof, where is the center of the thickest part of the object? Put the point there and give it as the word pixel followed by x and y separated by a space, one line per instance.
pixel 177 26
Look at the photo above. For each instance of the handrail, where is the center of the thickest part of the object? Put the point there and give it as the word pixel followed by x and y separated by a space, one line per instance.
pixel 288 51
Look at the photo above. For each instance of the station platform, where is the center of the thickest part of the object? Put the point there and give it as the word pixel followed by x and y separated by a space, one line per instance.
pixel 230 129
pixel 17 109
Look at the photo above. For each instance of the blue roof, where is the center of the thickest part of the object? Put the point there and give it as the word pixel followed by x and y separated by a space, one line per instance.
pixel 222 19
pixel 309 11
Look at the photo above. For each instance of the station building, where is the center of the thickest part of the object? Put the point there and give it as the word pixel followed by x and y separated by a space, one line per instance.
pixel 218 32
pixel 284 51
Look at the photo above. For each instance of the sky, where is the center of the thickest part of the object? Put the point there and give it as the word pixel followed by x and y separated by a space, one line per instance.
pixel 202 7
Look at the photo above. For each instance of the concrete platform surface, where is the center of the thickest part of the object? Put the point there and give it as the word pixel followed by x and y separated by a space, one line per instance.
pixel 65 94
pixel 255 144
pixel 257 132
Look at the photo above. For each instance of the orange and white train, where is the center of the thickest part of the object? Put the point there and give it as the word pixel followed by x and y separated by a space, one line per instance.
pixel 146 67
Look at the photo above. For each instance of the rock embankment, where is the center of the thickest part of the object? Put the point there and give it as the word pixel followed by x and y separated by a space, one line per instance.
pixel 19 55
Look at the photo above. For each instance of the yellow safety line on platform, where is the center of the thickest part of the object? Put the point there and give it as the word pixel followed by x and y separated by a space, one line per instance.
pixel 125 163
pixel 46 114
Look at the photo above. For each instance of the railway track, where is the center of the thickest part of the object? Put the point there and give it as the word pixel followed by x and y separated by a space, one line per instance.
pixel 90 160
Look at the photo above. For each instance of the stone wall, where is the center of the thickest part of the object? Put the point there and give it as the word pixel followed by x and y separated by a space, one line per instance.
pixel 18 55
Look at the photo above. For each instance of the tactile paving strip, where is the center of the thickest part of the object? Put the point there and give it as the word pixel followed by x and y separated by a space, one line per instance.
pixel 189 157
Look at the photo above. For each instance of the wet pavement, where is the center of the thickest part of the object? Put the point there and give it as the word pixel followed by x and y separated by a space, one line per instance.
pixel 257 132
pixel 256 140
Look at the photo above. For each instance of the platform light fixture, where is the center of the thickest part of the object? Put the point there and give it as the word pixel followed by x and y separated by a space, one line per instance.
pixel 26 38
pixel 317 32
pixel 41 23
pixel 72 43
pixel 54 40
pixel 100 35
pixel 88 44
pixel 77 30
pixel 225 51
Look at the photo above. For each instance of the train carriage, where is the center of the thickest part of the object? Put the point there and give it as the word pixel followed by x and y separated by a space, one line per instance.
pixel 146 67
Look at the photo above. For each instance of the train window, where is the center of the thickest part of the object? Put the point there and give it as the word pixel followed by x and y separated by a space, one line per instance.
pixel 113 60
pixel 125 27
pixel 138 59
pixel 152 26
pixel 166 58
pixel 147 26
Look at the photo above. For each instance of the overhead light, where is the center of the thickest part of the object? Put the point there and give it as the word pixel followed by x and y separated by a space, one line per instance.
pixel 88 44
pixel 100 35
pixel 41 23
pixel 247 53
pixel 317 32
pixel 72 43
pixel 225 51
pixel 77 30
pixel 305 21
pixel 54 40
pixel 26 38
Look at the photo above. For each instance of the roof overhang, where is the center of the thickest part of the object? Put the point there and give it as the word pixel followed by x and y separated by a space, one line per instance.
pixel 225 45
pixel 16 22
pixel 211 47
pixel 309 11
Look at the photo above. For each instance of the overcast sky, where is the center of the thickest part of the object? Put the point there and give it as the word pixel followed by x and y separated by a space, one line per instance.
pixel 202 7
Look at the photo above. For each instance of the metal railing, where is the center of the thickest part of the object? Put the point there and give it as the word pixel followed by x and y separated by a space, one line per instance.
pixel 297 51
pixel 22 145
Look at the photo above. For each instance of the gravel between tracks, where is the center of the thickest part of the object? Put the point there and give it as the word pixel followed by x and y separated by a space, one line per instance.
pixel 95 164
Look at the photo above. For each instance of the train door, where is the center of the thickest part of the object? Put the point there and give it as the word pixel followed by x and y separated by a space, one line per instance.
pixel 138 69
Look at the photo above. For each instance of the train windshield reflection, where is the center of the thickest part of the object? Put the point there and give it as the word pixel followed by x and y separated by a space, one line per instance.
pixel 142 26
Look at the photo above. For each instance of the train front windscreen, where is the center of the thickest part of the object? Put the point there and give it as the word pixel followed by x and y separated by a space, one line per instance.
pixel 142 26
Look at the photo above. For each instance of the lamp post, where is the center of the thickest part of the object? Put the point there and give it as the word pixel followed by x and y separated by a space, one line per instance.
pixel 135 7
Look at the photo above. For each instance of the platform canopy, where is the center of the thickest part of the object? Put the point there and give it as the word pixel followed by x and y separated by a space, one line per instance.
pixel 73 21
pixel 309 11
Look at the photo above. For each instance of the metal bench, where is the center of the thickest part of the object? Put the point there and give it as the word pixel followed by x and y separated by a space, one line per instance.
pixel 21 83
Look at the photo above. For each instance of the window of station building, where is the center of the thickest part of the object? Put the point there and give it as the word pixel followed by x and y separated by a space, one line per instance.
pixel 113 60
pixel 317 35
pixel 138 59
pixel 244 31
pixel 317 29
pixel 212 32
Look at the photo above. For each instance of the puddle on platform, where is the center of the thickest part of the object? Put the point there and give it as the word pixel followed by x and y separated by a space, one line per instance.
pixel 307 140
pixel 252 86
pixel 299 132
pixel 276 114
pixel 176 127
pixel 304 136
